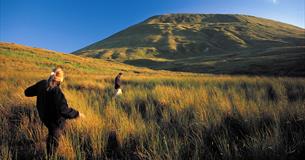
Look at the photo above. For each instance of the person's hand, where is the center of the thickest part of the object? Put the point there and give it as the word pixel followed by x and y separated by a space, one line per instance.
pixel 81 115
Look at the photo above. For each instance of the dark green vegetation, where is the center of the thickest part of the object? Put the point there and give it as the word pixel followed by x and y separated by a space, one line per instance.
pixel 210 43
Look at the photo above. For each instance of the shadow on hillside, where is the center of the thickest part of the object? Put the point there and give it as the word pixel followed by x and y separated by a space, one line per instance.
pixel 146 63
pixel 226 67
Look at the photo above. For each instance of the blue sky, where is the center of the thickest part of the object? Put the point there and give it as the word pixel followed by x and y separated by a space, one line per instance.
pixel 68 25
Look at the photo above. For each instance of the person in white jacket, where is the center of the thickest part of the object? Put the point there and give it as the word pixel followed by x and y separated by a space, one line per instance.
pixel 117 84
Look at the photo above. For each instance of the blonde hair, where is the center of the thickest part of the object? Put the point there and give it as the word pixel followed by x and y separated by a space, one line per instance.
pixel 56 77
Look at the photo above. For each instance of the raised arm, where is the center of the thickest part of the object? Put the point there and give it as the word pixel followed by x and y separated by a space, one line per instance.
pixel 32 90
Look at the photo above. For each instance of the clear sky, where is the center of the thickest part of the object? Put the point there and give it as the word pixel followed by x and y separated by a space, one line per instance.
pixel 68 25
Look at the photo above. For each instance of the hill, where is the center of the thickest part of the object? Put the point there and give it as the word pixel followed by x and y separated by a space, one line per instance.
pixel 161 114
pixel 15 57
pixel 209 43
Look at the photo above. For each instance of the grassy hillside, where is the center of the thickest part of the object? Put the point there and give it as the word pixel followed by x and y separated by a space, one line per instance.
pixel 280 61
pixel 161 115
pixel 19 57
pixel 179 37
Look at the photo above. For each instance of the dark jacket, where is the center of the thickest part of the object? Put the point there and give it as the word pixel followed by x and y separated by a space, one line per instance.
pixel 51 105
pixel 117 82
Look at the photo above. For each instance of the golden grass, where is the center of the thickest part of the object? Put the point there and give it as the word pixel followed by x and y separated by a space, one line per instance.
pixel 161 115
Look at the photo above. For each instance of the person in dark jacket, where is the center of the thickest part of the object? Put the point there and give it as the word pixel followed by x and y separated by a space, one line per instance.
pixel 52 107
pixel 117 84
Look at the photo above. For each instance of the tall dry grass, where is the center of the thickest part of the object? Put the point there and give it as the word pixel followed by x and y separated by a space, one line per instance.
pixel 162 118
pixel 161 115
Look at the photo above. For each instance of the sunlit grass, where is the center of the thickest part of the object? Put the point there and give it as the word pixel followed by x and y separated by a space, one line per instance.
pixel 161 115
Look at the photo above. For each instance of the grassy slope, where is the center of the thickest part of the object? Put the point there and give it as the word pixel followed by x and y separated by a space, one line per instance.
pixel 281 61
pixel 162 115
pixel 180 37
pixel 19 57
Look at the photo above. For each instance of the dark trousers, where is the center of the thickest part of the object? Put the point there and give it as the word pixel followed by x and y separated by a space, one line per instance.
pixel 53 139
